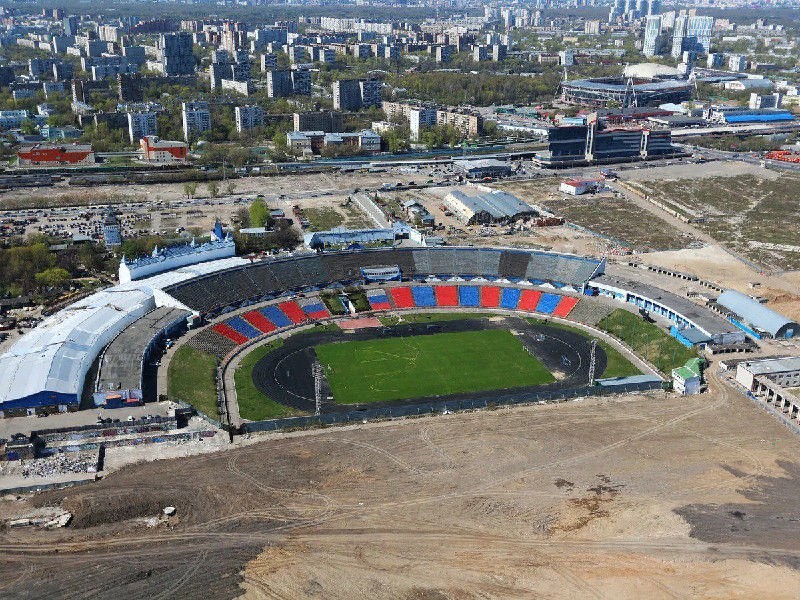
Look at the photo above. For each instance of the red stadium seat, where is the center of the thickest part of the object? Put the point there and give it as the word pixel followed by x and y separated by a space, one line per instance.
pixel 259 321
pixel 528 300
pixel 446 295
pixel 490 296
pixel 565 306
pixel 402 297
pixel 230 333
pixel 292 310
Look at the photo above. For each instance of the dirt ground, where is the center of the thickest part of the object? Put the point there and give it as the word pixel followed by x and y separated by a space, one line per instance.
pixel 648 497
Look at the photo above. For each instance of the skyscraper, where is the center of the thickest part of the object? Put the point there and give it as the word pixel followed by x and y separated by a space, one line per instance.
pixel 176 53
pixel 692 33
pixel 652 31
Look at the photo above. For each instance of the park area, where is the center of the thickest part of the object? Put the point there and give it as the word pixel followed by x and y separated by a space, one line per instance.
pixel 428 365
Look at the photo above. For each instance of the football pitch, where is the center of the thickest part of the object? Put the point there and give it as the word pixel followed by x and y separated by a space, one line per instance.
pixel 428 365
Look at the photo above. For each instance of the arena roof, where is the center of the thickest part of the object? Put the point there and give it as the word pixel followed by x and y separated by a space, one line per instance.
pixel 650 70
pixel 757 314
pixel 621 85
pixel 53 358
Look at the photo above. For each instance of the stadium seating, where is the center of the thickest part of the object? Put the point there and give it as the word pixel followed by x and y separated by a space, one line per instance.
pixel 423 295
pixel 548 303
pixel 422 261
pixel 259 321
pixel 276 315
pixel 509 298
pixel 313 271
pixel 446 295
pixel 402 296
pixel 565 306
pixel 488 263
pixel 230 333
pixel 490 296
pixel 513 264
pixel 292 310
pixel 314 308
pixel 528 300
pixel 289 276
pixel 263 277
pixel 468 295
pixel 243 327
pixel 378 300
pixel 212 342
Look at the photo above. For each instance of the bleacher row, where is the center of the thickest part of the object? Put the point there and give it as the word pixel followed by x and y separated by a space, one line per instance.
pixel 221 338
pixel 263 281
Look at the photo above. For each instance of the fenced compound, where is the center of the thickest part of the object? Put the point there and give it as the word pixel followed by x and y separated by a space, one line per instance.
pixel 502 399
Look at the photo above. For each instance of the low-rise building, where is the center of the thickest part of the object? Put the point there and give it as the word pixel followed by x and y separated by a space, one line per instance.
pixel 687 380
pixel 156 150
pixel 45 155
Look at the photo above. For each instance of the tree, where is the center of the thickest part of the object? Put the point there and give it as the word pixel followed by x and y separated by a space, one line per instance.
pixel 230 188
pixel 54 277
pixel 258 213
pixel 190 189
pixel 213 188
pixel 243 214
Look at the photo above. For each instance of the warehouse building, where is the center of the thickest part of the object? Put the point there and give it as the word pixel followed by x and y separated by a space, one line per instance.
pixel 487 206
pixel 752 316
pixel 784 372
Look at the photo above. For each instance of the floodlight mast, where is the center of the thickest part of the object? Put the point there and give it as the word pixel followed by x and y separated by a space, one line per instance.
pixel 316 372
pixel 592 362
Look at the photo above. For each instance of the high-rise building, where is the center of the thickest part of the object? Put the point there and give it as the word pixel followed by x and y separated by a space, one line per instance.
pixel 715 60
pixel 279 83
pixel 354 94
pixel 196 119
pixel 652 33
pixel 692 33
pixel 327 121
pixel 70 24
pixel 249 117
pixel 592 27
pixel 176 53
pixel 737 62
pixel 269 62
pixel 141 124
pixel 653 7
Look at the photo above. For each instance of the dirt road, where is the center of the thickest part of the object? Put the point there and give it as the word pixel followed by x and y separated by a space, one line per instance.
pixel 655 497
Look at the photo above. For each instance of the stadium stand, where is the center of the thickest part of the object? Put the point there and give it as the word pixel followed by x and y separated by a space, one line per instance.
pixel 509 298
pixel 565 306
pixel 422 261
pixel 528 300
pixel 378 300
pixel 490 296
pixel 548 303
pixel 230 333
pixel 513 264
pixel 314 308
pixel 239 324
pixel 313 271
pixel 468 296
pixel 423 295
pixel 402 297
pixel 259 321
pixel 591 313
pixel 488 263
pixel 446 295
pixel 212 342
pixel 292 310
pixel 264 278
pixel 289 276
pixel 276 315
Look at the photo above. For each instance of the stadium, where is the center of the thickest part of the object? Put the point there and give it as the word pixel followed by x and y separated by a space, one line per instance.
pixel 625 92
pixel 498 312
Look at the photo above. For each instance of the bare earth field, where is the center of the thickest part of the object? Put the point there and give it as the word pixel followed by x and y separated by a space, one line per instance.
pixel 756 216
pixel 649 497
pixel 620 221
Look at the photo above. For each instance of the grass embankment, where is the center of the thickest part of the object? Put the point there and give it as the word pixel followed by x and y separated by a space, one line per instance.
pixel 647 340
pixel 390 320
pixel 616 363
pixel 192 377
pixel 428 365
pixel 253 405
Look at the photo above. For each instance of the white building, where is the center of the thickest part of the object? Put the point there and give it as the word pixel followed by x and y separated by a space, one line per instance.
pixel 196 119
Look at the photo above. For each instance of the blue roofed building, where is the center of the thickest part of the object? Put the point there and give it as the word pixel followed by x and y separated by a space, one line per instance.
pixel 753 315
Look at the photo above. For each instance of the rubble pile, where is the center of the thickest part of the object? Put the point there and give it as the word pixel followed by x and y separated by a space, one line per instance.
pixel 59 464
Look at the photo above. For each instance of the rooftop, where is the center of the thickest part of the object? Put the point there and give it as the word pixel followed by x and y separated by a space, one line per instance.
pixel 773 365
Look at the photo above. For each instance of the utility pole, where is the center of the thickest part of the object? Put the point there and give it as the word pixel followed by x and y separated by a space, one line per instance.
pixel 316 372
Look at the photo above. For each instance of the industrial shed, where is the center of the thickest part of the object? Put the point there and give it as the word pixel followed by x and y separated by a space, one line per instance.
pixel 760 317
pixel 487 206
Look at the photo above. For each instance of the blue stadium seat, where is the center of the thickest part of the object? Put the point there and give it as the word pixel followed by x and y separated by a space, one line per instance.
pixel 243 327
pixel 509 298
pixel 468 295
pixel 423 295
pixel 276 315
pixel 548 303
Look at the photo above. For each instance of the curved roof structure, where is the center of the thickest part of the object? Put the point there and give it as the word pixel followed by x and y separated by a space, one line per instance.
pixel 758 315
pixel 650 71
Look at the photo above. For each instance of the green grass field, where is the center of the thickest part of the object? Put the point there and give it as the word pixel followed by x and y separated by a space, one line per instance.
pixel 647 340
pixel 616 363
pixel 192 377
pixel 390 320
pixel 253 405
pixel 428 365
